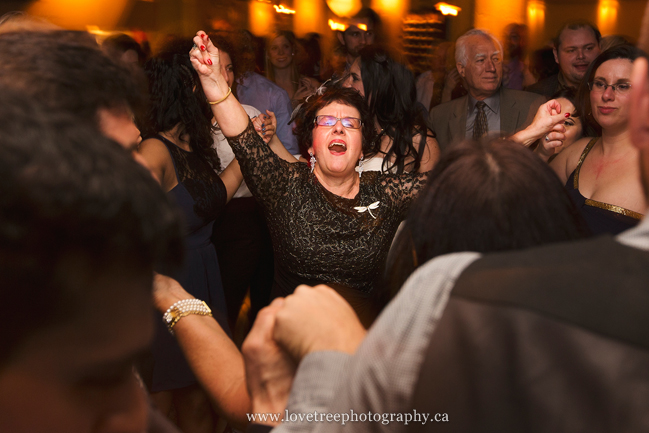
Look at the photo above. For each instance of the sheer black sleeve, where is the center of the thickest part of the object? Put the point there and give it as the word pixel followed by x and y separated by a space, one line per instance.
pixel 266 174
pixel 403 188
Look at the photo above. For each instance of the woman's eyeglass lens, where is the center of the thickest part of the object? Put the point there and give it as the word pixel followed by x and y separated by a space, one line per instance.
pixel 601 86
pixel 347 122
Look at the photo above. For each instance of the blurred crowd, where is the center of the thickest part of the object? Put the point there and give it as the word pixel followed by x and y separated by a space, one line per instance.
pixel 468 239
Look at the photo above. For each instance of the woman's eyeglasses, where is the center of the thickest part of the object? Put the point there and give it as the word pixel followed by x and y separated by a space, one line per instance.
pixel 601 86
pixel 347 122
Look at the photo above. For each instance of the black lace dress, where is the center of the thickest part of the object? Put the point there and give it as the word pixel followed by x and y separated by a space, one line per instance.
pixel 319 237
pixel 201 196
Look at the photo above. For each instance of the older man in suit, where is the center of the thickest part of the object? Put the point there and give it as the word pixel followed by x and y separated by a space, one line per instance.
pixel 488 107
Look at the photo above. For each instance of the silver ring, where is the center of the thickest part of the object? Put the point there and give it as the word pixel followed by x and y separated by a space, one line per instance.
pixel 547 138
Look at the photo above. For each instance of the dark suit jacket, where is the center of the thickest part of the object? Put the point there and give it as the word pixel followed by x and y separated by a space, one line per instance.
pixel 517 109
pixel 546 87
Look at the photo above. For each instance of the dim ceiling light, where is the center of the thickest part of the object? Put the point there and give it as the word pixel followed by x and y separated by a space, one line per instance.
pixel 447 9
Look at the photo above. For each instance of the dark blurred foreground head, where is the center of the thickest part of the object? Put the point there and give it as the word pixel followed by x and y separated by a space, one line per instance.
pixel 484 196
pixel 66 71
pixel 82 227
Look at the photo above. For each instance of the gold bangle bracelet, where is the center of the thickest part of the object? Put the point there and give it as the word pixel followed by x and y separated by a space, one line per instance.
pixel 224 98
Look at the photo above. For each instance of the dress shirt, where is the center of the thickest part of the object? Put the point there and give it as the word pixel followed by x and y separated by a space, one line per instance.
pixel 263 94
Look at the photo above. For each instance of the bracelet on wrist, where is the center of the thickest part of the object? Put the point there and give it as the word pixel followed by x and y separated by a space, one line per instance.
pixel 222 99
pixel 182 309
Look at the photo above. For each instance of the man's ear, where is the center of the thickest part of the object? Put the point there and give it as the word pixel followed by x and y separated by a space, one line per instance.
pixel 341 39
pixel 556 55
pixel 460 68
pixel 639 112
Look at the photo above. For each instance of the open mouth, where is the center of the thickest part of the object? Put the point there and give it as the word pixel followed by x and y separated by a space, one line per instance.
pixel 581 67
pixel 337 147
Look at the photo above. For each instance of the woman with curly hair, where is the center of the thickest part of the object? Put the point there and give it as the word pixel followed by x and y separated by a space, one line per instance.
pixel 178 149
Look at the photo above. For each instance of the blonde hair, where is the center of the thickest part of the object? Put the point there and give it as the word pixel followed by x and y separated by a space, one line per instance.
pixel 270 69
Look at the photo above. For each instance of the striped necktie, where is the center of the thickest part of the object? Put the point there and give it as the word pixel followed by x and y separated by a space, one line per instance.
pixel 480 126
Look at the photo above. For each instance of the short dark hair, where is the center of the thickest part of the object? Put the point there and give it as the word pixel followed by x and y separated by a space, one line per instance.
pixel 67 71
pixel 69 194
pixel 569 93
pixel 118 44
pixel 305 119
pixel 576 25
pixel 487 196
pixel 591 127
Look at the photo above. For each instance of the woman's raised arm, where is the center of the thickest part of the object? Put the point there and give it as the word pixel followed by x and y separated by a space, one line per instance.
pixel 206 60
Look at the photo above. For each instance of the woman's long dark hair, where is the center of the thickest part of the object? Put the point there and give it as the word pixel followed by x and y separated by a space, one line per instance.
pixel 392 98
pixel 482 196
pixel 590 126
pixel 176 98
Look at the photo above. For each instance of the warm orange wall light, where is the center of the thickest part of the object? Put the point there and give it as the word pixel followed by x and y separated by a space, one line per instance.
pixel 536 15
pixel 607 16
pixel 261 18
pixel 495 15
pixel 312 17
pixel 344 8
pixel 77 14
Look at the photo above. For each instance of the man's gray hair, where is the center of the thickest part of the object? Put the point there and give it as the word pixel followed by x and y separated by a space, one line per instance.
pixel 462 41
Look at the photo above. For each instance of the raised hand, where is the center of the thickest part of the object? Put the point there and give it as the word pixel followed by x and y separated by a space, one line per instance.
pixel 547 127
pixel 206 60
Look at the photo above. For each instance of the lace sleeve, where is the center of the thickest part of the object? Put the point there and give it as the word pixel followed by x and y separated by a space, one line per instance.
pixel 403 188
pixel 265 173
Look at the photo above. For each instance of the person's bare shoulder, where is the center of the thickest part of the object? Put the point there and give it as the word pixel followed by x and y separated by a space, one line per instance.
pixel 159 160
pixel 566 161
pixel 431 151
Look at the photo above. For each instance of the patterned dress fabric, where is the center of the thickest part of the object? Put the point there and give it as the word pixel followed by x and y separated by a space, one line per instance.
pixel 319 237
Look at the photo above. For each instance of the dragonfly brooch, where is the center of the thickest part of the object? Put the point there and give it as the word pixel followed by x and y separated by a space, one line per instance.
pixel 369 208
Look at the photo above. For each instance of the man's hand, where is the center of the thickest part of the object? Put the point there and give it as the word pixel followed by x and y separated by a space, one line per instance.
pixel 269 369
pixel 317 318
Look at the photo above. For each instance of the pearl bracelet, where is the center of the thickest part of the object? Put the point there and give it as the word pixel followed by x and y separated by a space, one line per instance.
pixel 184 308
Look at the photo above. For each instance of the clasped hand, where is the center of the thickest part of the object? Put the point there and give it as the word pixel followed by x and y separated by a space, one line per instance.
pixel 311 319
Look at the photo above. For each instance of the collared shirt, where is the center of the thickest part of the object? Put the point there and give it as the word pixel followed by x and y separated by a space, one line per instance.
pixel 492 110
pixel 263 94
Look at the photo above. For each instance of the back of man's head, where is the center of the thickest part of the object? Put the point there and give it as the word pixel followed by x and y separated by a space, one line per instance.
pixel 67 71
pixel 75 209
